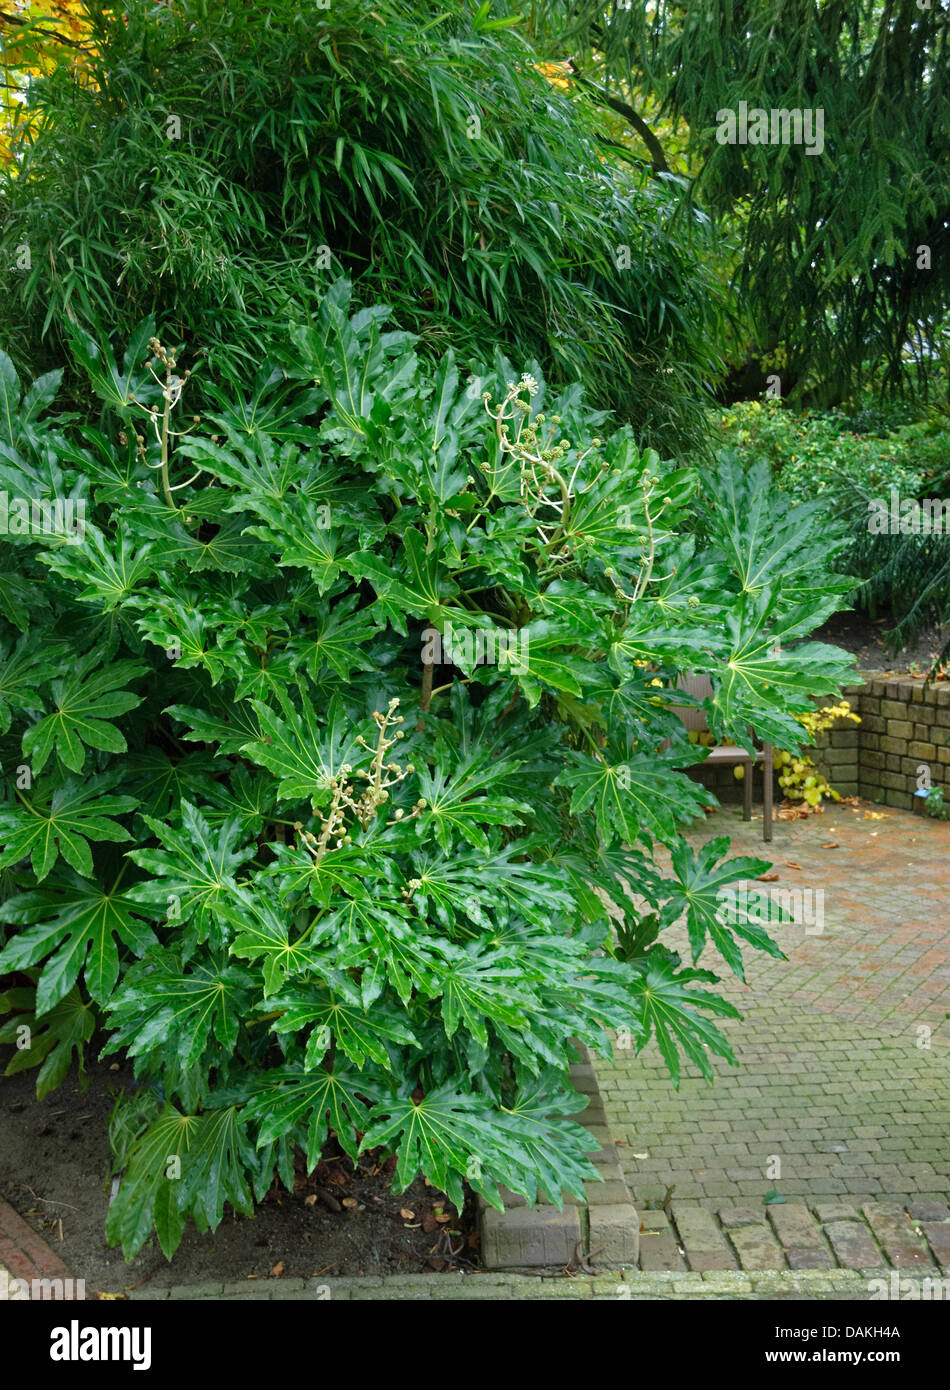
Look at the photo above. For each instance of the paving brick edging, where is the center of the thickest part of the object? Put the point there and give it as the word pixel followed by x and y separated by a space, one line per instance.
pixel 850 1284
pixel 23 1253
pixel 604 1229
pixel 836 1233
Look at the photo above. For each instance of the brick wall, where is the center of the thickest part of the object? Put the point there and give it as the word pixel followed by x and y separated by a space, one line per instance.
pixel 837 753
pixel 903 725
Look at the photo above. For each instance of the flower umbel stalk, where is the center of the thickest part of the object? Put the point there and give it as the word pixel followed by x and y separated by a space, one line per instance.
pixel 381 776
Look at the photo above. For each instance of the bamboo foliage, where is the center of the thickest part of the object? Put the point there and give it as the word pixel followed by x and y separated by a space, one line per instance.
pixel 216 169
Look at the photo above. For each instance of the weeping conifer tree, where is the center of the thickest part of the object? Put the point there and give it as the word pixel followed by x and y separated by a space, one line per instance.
pixel 844 255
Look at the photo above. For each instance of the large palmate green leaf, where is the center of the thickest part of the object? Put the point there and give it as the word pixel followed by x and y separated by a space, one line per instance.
pixel 193 873
pixel 229 549
pixel 160 782
pixel 483 887
pixel 644 793
pixel 460 803
pixel 763 679
pixel 78 926
pixel 337 637
pixel 359 872
pixel 183 1165
pixel 215 1168
pixel 263 934
pixel 258 468
pixel 480 985
pixel 544 654
pixel 666 1003
pixel 446 1136
pixel 640 704
pixel 17 595
pixel 249 795
pixel 109 568
pixel 22 668
pixel 557 1147
pixel 300 530
pixel 575 608
pixel 147 1195
pixel 358 1032
pixel 370 937
pixel 174 621
pixel 647 639
pixel 231 727
pixel 691 588
pixel 417 585
pixel 770 544
pixel 63 824
pixel 52 1041
pixel 304 755
pixel 696 889
pixel 114 386
pixel 162 1007
pixel 309 1103
pixel 85 700
pixel 10 391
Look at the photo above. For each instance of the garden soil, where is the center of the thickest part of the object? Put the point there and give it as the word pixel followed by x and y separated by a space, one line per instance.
pixel 865 638
pixel 54 1167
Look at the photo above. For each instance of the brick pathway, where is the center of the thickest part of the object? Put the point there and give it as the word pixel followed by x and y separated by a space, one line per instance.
pixel 843 1085
pixel 26 1260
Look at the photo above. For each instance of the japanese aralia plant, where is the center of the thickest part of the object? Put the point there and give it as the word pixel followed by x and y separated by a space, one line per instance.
pixel 309 882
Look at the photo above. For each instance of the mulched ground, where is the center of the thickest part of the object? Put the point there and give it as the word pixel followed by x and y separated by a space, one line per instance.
pixel 54 1165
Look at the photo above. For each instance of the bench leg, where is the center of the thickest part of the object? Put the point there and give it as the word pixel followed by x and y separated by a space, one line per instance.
pixel 747 791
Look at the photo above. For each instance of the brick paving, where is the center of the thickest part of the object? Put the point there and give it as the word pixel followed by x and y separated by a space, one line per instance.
pixel 842 1094
pixel 26 1259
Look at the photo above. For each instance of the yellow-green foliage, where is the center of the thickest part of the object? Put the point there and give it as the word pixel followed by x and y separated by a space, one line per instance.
pixel 799 778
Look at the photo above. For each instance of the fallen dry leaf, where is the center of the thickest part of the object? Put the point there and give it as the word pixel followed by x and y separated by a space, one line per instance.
pixel 278 1270
pixel 798 810
pixel 406 1214
pixel 350 1202
pixel 874 815
pixel 831 844
pixel 310 1201
pixel 442 1217
pixel 767 878
pixel 790 864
